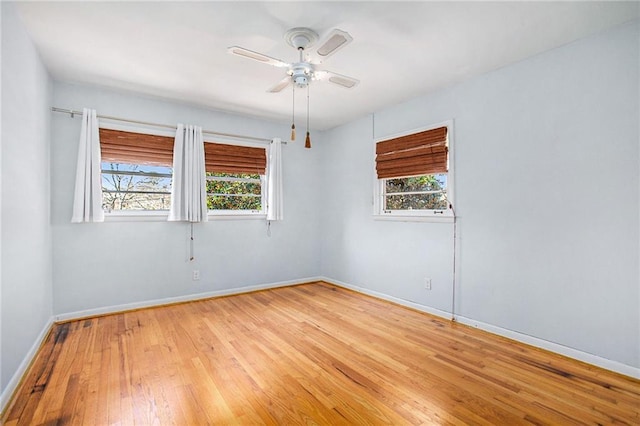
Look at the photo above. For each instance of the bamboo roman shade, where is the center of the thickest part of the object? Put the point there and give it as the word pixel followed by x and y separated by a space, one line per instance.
pixel 224 158
pixel 422 153
pixel 117 146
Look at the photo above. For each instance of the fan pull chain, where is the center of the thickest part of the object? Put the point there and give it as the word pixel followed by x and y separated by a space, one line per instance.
pixel 293 113
pixel 307 143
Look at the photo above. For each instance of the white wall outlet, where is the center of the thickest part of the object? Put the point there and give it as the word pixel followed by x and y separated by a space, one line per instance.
pixel 427 283
pixel 196 275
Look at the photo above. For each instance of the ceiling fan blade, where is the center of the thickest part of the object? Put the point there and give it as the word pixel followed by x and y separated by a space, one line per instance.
pixel 339 79
pixel 250 54
pixel 335 41
pixel 280 86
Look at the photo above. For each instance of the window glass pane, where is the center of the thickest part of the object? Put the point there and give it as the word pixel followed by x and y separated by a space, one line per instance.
pixel 135 187
pixel 427 192
pixel 222 187
pixel 234 191
pixel 234 175
pixel 417 183
pixel 222 202
pixel 432 201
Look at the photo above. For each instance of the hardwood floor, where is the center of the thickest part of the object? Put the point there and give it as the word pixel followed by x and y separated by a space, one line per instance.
pixel 312 354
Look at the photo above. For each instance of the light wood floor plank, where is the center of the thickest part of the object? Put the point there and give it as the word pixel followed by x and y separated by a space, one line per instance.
pixel 308 354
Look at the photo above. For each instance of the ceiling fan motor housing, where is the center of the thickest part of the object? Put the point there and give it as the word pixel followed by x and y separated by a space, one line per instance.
pixel 301 73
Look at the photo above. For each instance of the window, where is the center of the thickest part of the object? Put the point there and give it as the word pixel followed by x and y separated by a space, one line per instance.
pixel 235 178
pixel 414 174
pixel 136 171
pixel 137 174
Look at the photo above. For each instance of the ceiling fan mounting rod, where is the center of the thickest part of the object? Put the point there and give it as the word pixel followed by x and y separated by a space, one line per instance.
pixel 301 37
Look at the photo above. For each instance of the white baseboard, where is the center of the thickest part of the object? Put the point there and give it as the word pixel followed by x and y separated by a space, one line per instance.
pixel 106 310
pixel 12 386
pixel 403 302
pixel 570 352
pixel 592 359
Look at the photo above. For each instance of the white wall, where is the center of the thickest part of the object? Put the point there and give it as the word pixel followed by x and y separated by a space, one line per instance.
pixel 546 155
pixel 116 263
pixel 26 231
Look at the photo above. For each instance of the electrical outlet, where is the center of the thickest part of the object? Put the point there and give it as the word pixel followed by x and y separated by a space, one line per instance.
pixel 427 283
pixel 196 275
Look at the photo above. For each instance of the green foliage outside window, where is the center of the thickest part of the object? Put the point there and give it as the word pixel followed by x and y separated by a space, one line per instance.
pixel 427 192
pixel 239 191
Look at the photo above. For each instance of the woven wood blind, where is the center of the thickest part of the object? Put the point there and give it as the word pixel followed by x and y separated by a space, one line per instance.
pixel 421 153
pixel 224 158
pixel 117 146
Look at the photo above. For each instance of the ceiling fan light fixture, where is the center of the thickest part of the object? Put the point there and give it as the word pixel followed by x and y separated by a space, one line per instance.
pixel 301 74
pixel 301 80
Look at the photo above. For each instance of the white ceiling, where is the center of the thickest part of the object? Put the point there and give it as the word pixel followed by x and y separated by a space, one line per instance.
pixel 178 50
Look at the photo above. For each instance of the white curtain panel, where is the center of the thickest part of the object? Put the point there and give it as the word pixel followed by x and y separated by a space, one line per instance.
pixel 275 210
pixel 87 200
pixel 188 192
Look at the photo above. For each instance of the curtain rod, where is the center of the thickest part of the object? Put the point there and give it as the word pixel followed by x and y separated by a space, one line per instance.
pixel 72 113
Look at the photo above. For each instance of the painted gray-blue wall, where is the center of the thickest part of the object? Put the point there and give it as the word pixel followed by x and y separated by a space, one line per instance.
pixel 116 263
pixel 26 277
pixel 546 192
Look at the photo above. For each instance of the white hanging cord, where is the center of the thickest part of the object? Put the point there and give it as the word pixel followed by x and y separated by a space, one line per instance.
pixel 453 285
pixel 191 257
pixel 373 126
pixel 268 228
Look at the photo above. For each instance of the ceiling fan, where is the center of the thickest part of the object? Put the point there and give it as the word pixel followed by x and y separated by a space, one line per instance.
pixel 304 71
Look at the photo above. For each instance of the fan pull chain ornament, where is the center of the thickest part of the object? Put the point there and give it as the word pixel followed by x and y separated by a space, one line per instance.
pixel 303 72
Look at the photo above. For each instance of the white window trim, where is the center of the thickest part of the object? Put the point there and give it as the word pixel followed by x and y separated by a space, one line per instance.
pixel 135 215
pixel 162 216
pixel 242 214
pixel 416 215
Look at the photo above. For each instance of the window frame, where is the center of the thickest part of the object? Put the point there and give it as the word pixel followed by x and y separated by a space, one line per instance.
pixel 243 214
pixel 135 215
pixel 431 215
pixel 136 173
pixel 162 215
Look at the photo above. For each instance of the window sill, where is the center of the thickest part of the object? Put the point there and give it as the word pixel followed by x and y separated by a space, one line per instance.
pixel 161 216
pixel 236 216
pixel 415 218
pixel 141 216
